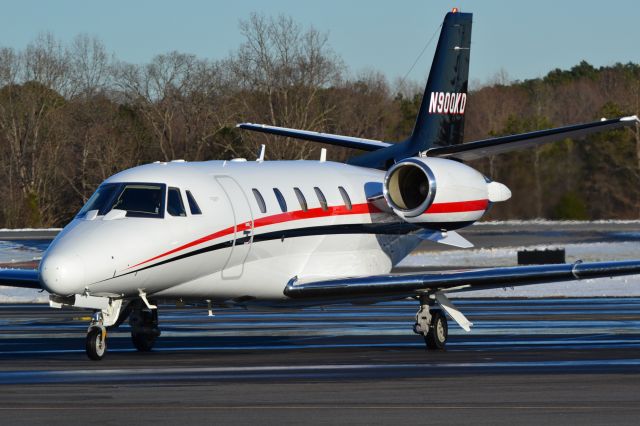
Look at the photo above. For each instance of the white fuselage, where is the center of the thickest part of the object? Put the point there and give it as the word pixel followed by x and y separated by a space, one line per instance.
pixel 238 249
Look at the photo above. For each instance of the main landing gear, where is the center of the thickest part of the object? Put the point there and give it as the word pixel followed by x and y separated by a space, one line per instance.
pixel 431 323
pixel 144 326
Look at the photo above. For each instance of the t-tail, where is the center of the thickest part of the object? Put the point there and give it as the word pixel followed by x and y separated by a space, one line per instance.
pixel 439 126
pixel 440 120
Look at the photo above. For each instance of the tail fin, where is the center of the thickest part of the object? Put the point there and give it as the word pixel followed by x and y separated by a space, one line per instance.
pixel 440 121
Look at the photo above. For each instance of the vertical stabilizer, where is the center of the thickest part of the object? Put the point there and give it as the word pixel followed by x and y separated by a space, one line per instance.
pixel 440 121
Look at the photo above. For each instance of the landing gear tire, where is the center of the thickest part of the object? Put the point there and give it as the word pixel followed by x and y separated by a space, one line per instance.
pixel 143 342
pixel 96 343
pixel 436 337
pixel 144 326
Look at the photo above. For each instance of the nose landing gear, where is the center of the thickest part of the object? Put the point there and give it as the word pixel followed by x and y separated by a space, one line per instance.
pixel 96 341
pixel 107 316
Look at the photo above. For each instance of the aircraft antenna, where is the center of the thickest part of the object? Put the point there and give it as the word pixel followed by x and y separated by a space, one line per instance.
pixel 260 158
pixel 402 82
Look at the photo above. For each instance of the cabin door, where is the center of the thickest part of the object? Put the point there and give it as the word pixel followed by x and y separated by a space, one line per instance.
pixel 243 227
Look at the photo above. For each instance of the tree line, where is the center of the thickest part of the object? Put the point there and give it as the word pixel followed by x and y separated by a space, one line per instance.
pixel 72 115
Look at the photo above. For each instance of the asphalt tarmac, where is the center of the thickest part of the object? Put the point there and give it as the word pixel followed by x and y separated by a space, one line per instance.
pixel 569 361
pixel 555 361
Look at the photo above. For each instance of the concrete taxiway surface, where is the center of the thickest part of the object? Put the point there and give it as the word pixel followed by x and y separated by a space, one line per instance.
pixel 563 361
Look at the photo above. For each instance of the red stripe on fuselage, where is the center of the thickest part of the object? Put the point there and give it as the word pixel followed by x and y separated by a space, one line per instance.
pixel 364 208
pixel 458 207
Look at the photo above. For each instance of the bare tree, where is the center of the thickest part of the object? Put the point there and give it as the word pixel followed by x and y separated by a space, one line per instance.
pixel 282 70
pixel 179 97
pixel 88 65
pixel 47 62
pixel 30 103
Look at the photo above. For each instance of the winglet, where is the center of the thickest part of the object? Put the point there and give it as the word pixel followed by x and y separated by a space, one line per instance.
pixel 631 118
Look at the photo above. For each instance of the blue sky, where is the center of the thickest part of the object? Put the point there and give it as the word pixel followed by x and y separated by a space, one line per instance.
pixel 526 39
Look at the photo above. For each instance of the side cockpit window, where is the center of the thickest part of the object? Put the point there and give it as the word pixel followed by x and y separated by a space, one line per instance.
pixel 193 206
pixel 175 206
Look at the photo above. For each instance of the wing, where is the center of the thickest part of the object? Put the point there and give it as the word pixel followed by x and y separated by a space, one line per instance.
pixel 409 285
pixel 345 141
pixel 25 278
pixel 487 147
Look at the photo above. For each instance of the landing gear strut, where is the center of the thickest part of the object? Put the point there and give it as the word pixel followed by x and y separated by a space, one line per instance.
pixel 144 326
pixel 431 323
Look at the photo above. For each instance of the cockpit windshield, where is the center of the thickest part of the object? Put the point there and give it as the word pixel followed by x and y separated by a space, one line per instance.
pixel 137 199
pixel 140 200
pixel 100 199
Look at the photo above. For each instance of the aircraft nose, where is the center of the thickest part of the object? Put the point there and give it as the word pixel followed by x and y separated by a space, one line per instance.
pixel 62 274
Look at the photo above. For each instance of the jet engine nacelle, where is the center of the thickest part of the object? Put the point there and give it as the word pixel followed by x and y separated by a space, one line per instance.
pixel 439 193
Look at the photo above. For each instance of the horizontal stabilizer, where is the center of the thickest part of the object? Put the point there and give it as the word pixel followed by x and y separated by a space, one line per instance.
pixel 488 147
pixel 345 141
pixel 409 285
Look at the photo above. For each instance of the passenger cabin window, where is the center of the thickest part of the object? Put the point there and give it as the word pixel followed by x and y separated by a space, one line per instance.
pixel 281 200
pixel 175 207
pixel 345 198
pixel 301 199
pixel 261 205
pixel 321 198
pixel 193 206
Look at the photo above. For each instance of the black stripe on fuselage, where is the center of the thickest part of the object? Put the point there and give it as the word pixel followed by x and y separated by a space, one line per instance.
pixel 356 228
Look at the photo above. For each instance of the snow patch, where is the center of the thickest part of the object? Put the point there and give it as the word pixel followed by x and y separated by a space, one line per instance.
pixel 600 287
pixel 22 295
pixel 507 256
pixel 21 251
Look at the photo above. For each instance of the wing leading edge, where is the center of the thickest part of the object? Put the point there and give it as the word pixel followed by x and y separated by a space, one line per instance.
pixel 25 278
pixel 399 286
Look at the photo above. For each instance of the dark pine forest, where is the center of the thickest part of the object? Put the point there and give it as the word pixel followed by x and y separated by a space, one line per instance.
pixel 72 114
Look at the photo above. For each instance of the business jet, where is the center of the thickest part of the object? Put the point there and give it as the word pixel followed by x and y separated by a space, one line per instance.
pixel 299 233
